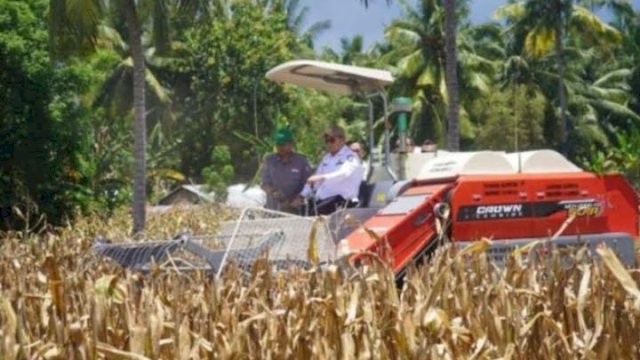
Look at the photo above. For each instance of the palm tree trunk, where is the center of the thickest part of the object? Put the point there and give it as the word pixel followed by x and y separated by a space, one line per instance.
pixel 139 124
pixel 564 129
pixel 453 133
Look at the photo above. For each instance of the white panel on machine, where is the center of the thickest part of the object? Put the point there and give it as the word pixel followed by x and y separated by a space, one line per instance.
pixel 541 161
pixel 466 163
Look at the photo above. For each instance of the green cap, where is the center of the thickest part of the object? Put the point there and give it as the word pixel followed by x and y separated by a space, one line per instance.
pixel 283 136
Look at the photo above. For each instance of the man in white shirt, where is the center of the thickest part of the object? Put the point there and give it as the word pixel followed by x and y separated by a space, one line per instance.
pixel 338 176
pixel 357 148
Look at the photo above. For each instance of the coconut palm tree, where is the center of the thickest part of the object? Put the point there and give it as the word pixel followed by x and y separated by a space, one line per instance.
pixel 597 99
pixel 352 50
pixel 74 29
pixel 538 27
pixel 296 15
pixel 453 134
pixel 417 46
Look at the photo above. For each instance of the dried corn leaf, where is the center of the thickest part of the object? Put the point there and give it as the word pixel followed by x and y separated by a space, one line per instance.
pixel 313 255
pixel 620 273
pixel 9 330
pixel 583 291
pixel 476 247
pixel 113 353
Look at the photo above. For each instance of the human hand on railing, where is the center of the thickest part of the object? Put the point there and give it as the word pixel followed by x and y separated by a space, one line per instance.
pixel 297 201
pixel 315 179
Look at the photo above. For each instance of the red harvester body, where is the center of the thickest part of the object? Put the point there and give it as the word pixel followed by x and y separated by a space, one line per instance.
pixel 507 208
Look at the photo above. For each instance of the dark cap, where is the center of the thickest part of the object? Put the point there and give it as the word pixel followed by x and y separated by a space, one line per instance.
pixel 335 131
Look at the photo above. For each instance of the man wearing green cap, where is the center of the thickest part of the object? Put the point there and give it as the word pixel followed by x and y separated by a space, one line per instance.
pixel 284 173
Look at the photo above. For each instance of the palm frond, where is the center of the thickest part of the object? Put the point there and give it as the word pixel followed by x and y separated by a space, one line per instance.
pixel 318 28
pixel 614 77
pixel 615 108
pixel 109 38
pixel 429 76
pixel 592 28
pixel 160 30
pixel 540 40
pixel 73 26
pixel 411 64
pixel 402 32
pixel 296 19
pixel 510 12
pixel 480 82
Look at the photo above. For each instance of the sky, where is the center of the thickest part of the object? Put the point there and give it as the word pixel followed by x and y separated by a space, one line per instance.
pixel 349 18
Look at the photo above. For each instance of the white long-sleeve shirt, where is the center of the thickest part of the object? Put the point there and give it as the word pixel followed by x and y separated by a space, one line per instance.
pixel 342 175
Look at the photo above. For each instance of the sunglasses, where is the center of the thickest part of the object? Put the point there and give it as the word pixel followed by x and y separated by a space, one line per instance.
pixel 329 139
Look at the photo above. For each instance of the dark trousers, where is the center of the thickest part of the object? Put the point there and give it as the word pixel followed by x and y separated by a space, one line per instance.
pixel 328 206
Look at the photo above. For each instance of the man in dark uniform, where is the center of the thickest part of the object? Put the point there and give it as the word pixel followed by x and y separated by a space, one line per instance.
pixel 284 173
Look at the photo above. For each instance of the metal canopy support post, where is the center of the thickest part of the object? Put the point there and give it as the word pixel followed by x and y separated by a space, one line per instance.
pixel 387 135
pixel 372 144
pixel 386 157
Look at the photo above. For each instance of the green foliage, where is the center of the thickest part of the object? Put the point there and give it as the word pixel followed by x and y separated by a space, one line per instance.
pixel 622 158
pixel 417 56
pixel 510 118
pixel 228 91
pixel 44 125
pixel 219 174
pixel 65 123
pixel 312 112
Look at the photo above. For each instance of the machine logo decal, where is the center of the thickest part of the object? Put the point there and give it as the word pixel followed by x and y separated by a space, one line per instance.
pixel 494 211
pixel 579 208
pixel 499 209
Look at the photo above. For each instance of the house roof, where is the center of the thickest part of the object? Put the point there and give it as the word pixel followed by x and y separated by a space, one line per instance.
pixel 199 190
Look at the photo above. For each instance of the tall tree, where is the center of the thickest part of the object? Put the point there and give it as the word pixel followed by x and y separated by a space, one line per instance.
pixel 418 54
pixel 540 26
pixel 228 59
pixel 351 50
pixel 74 28
pixel 44 125
pixel 139 111
pixel 296 18
pixel 453 134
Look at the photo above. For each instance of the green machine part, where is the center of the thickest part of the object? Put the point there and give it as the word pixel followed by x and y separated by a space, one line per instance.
pixel 401 107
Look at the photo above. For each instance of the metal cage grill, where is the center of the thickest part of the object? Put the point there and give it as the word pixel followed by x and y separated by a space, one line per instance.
pixel 284 239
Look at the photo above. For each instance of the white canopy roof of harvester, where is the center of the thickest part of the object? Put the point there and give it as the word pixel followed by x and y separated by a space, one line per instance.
pixel 495 163
pixel 334 78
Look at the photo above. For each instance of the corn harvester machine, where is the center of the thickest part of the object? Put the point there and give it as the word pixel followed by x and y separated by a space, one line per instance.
pixel 410 203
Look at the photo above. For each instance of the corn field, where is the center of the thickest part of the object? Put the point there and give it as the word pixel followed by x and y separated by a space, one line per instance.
pixel 57 301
